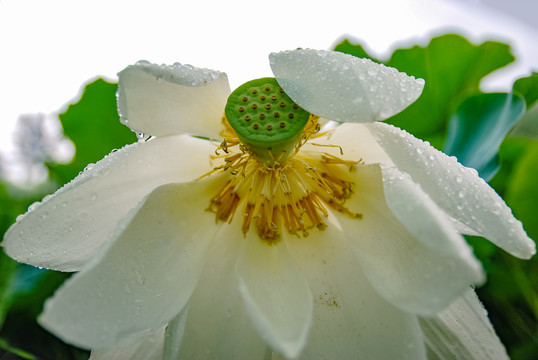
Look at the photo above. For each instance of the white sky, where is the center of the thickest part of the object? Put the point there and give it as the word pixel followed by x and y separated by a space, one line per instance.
pixel 48 49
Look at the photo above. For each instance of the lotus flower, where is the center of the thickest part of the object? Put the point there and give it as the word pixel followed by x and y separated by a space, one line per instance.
pixel 312 231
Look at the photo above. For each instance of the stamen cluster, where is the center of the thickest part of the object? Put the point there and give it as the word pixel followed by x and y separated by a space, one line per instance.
pixel 291 196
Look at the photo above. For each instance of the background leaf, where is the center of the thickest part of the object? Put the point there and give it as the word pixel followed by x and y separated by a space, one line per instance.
pixel 528 87
pixel 7 270
pixel 522 190
pixel 479 126
pixel 357 50
pixel 94 127
pixel 452 68
pixel 528 126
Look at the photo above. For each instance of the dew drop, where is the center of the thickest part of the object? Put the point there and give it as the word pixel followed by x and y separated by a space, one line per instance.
pixel 33 206
pixel 139 278
pixel 372 71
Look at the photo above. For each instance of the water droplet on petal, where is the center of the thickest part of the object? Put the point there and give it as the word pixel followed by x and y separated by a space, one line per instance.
pixel 33 206
pixel 372 71
pixel 139 278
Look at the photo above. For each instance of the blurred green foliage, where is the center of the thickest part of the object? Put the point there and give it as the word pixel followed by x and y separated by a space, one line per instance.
pixel 93 125
pixel 454 115
pixel 478 127
pixel 452 68
pixel 528 87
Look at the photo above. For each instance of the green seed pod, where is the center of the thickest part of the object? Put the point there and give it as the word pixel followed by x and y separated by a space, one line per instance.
pixel 266 119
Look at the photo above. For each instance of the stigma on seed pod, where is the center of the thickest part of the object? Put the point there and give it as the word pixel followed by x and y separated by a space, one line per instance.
pixel 266 120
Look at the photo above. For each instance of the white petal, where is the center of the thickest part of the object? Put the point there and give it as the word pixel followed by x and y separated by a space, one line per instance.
pixel 351 320
pixel 217 325
pixel 174 335
pixel 408 250
pixel 458 190
pixel 462 331
pixel 351 142
pixel 163 100
pixel 148 348
pixel 142 279
pixel 64 231
pixel 276 295
pixel 342 87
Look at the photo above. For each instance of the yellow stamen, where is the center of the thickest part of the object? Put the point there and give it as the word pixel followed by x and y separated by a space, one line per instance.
pixel 292 196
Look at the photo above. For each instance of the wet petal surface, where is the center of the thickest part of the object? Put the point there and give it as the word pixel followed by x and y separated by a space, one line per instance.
pixel 349 315
pixel 65 230
pixel 462 331
pixel 276 295
pixel 407 248
pixel 348 141
pixel 142 279
pixel 458 190
pixel 148 348
pixel 163 100
pixel 342 87
pixel 217 325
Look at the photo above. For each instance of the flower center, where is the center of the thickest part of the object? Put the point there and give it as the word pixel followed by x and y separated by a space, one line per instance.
pixel 270 183
pixel 291 195
pixel 266 120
